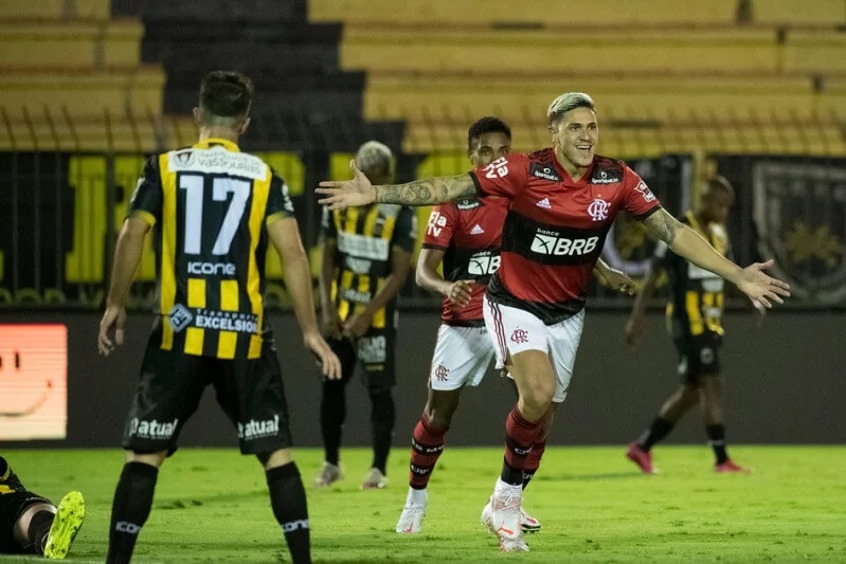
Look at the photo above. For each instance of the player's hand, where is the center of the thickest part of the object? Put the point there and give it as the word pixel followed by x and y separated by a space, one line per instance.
pixel 357 325
pixel 330 365
pixel 331 322
pixel 458 293
pixel 620 281
pixel 635 329
pixel 114 317
pixel 761 288
pixel 356 192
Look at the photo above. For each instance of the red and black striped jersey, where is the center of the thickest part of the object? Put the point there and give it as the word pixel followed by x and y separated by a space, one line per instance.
pixel 470 234
pixel 556 227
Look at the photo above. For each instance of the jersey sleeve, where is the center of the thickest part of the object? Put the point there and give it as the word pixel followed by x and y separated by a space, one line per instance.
pixel 405 232
pixel 279 205
pixel 441 226
pixel 638 199
pixel 146 201
pixel 504 177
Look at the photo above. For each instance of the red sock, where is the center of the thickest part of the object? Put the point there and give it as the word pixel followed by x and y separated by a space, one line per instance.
pixel 520 435
pixel 533 462
pixel 427 444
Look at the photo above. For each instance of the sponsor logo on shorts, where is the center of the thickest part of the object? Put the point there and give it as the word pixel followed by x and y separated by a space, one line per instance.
pixel 253 429
pixel 441 373
pixel 373 349
pixel 152 429
pixel 520 336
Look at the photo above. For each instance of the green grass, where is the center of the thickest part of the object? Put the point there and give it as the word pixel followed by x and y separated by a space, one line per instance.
pixel 211 506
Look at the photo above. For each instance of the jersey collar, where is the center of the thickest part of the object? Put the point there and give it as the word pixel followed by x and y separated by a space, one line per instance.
pixel 225 143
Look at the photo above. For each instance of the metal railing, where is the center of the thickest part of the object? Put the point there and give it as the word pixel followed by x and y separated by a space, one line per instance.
pixel 62 200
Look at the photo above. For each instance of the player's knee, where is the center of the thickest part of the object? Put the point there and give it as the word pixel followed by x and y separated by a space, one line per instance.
pixel 275 459
pixel 536 400
pixel 155 459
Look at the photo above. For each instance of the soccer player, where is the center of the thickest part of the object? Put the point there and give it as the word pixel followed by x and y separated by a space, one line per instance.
pixel 31 524
pixel 466 237
pixel 366 259
pixel 215 208
pixel 694 318
pixel 563 200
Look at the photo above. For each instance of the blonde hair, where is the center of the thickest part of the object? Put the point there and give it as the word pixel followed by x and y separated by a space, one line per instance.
pixel 567 102
pixel 374 158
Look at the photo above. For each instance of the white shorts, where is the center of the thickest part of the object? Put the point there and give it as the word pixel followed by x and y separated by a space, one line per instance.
pixel 515 330
pixel 462 356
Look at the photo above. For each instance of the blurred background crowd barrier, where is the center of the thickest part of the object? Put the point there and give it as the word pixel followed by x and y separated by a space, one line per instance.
pixel 754 90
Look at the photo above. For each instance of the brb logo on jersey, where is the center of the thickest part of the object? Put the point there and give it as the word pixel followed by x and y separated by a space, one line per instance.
pixel 549 243
pixel 497 169
pixel 598 209
pixel 483 263
pixel 436 224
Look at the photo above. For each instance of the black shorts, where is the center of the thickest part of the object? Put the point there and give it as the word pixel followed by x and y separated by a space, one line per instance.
pixel 12 505
pixel 250 392
pixel 698 356
pixel 374 353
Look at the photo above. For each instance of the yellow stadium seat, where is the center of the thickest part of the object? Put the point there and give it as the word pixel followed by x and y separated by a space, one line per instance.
pixel 602 13
pixel 55 9
pixel 799 12
pixel 82 94
pixel 71 45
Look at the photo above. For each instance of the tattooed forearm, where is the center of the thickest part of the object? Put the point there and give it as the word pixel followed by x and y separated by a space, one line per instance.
pixel 427 191
pixel 662 226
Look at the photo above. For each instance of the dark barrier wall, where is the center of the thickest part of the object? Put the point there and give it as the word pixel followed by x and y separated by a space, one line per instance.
pixel 785 383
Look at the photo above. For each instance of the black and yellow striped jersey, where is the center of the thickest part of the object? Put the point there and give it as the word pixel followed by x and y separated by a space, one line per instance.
pixel 696 299
pixel 364 238
pixel 209 205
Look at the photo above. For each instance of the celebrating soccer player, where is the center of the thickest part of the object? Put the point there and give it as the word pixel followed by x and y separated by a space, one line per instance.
pixel 563 200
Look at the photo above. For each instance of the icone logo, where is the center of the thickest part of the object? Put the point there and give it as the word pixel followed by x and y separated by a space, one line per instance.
pixel 211 268
pixel 436 223
pixel 560 246
pixel 497 169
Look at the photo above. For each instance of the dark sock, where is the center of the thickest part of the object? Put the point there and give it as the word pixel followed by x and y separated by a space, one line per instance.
pixel 333 413
pixel 382 416
pixel 520 435
pixel 288 500
pixel 4 469
pixel 717 441
pixel 659 429
pixel 533 462
pixel 39 528
pixel 130 509
pixel 427 444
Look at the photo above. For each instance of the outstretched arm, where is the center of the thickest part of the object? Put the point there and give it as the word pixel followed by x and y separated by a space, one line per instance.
pixel 686 243
pixel 359 191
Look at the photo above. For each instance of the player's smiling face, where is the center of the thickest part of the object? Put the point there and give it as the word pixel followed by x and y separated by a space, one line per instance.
pixel 488 147
pixel 575 136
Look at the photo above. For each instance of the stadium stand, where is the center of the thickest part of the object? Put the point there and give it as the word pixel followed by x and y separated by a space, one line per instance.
pixel 668 76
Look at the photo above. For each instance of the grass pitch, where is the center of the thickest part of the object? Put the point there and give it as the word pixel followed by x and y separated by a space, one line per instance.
pixel 211 506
